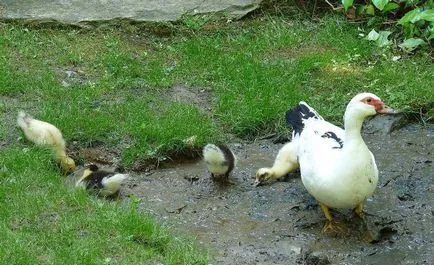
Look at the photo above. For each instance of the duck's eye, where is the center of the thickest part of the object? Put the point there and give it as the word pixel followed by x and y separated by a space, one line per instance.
pixel 369 100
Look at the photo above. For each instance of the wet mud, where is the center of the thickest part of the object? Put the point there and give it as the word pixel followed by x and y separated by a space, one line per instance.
pixel 280 223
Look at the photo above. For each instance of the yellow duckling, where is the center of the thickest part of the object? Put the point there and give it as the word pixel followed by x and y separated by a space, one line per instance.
pixel 286 161
pixel 44 133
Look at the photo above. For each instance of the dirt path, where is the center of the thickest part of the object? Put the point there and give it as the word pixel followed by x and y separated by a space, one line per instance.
pixel 281 224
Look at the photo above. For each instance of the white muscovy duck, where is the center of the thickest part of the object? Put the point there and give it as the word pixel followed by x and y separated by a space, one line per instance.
pixel 336 166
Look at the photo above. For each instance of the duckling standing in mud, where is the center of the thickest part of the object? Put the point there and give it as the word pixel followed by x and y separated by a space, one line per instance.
pixel 44 133
pixel 103 183
pixel 220 161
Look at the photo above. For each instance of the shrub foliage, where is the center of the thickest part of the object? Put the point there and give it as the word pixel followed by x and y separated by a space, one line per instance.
pixel 414 18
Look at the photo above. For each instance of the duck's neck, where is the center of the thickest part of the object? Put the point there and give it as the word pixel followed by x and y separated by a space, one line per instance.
pixel 353 127
pixel 60 153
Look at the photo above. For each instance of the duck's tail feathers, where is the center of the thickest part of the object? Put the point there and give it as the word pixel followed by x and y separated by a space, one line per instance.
pixel 113 184
pixel 296 116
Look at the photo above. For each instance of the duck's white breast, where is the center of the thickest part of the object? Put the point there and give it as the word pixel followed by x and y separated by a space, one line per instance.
pixel 331 173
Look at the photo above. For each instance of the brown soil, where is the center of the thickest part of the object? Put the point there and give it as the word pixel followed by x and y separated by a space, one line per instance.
pixel 280 223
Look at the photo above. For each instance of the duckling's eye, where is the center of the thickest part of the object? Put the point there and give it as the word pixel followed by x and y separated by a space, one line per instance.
pixel 369 100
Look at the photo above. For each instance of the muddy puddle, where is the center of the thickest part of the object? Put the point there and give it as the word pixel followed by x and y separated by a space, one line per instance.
pixel 280 223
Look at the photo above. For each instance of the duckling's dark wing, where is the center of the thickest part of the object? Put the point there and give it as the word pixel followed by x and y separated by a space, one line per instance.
pixel 93 181
pixel 229 156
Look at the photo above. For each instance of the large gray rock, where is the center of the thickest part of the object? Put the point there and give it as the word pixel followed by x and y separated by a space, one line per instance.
pixel 384 124
pixel 82 11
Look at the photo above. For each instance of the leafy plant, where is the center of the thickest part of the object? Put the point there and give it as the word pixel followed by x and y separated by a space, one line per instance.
pixel 380 38
pixel 415 18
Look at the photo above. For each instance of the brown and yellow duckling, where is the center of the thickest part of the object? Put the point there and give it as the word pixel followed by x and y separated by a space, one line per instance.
pixel 103 183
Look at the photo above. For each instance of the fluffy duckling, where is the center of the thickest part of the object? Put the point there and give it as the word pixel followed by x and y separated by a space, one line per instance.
pixel 286 161
pixel 220 161
pixel 44 133
pixel 104 183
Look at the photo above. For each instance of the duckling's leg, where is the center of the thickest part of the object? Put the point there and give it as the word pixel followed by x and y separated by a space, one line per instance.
pixel 230 182
pixel 330 225
pixel 222 179
pixel 116 196
pixel 214 177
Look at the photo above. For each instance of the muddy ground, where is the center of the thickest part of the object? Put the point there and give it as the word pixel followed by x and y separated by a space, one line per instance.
pixel 280 223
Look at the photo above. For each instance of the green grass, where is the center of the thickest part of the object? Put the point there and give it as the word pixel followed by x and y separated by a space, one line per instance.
pixel 45 222
pixel 255 70
pixel 120 94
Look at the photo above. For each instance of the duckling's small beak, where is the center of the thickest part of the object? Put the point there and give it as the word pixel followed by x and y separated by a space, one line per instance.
pixel 387 110
pixel 257 183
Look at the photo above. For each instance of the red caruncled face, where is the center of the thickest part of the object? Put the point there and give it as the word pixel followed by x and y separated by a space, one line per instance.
pixel 376 103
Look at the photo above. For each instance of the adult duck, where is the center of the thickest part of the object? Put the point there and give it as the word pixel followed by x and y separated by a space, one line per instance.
pixel 336 166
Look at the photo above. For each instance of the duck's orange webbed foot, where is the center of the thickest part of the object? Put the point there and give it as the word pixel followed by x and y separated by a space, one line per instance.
pixel 333 227
pixel 359 211
pixel 330 225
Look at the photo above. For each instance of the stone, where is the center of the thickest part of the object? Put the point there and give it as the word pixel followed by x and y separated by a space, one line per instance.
pixel 384 124
pixel 84 11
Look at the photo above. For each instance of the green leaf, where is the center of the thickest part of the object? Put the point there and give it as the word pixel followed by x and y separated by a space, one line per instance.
pixel 431 33
pixel 382 40
pixel 347 3
pixel 416 15
pixel 410 44
pixel 370 10
pixel 360 10
pixel 409 16
pixel 380 4
pixel 427 15
pixel 390 6
pixel 373 35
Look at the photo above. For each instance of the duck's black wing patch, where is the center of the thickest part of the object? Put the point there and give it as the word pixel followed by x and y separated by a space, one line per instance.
pixel 295 117
pixel 332 135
